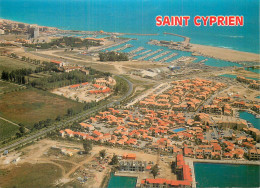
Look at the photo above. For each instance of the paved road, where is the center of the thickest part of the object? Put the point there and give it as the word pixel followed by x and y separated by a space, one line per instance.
pixel 43 132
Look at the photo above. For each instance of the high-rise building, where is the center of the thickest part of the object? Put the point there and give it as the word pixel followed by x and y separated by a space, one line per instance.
pixel 36 32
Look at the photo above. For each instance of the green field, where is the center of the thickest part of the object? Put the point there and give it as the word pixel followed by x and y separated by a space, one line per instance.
pixel 30 175
pixel 7 129
pixel 9 64
pixel 6 87
pixel 30 106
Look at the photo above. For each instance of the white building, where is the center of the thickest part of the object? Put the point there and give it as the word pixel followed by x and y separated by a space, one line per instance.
pixel 2 32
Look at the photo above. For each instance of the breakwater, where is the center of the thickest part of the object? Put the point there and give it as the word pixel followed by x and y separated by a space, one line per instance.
pixel 186 39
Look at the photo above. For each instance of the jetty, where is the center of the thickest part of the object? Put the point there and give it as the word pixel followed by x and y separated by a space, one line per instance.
pixel 168 57
pixel 145 52
pixel 136 50
pixel 184 59
pixel 142 53
pixel 123 47
pixel 202 61
pixel 159 55
pixel 132 53
pixel 150 54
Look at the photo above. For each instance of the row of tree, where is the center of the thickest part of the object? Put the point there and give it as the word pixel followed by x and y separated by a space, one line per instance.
pixel 42 124
pixel 61 80
pixel 17 76
pixel 63 42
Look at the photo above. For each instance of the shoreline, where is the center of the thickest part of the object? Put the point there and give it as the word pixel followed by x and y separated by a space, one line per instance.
pixel 215 52
pixel 225 54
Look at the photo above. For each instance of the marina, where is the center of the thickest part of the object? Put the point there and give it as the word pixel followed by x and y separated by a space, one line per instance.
pixel 168 57
pixel 150 54
pixel 159 55
pixel 142 53
pixel 136 50
pixel 184 59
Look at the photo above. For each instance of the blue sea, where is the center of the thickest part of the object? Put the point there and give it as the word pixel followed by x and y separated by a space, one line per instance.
pixel 138 16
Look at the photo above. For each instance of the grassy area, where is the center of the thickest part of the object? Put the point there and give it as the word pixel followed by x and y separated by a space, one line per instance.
pixel 30 175
pixel 66 165
pixel 7 129
pixel 9 64
pixel 30 106
pixel 6 87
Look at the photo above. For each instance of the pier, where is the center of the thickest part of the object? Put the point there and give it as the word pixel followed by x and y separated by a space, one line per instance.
pixel 136 50
pixel 159 55
pixel 132 53
pixel 142 53
pixel 145 52
pixel 168 57
pixel 202 61
pixel 184 59
pixel 123 47
pixel 150 54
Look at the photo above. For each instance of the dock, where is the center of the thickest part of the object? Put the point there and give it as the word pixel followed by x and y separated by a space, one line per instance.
pixel 123 47
pixel 136 50
pixel 142 53
pixel 145 52
pixel 159 55
pixel 168 57
pixel 150 54
pixel 202 61
pixel 133 52
pixel 184 59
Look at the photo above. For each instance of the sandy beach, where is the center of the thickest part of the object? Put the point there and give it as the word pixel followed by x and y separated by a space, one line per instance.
pixel 224 54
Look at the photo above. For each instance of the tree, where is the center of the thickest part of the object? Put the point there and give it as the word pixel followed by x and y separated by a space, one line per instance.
pixel 18 135
pixel 22 129
pixel 114 160
pixel 70 111
pixel 155 170
pixel 58 118
pixel 102 153
pixel 87 145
